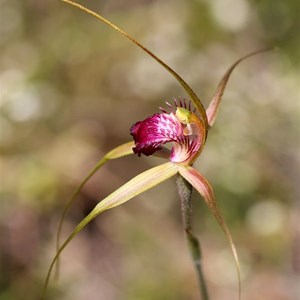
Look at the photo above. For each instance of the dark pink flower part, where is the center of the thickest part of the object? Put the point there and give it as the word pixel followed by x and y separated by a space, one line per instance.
pixel 155 131
pixel 181 127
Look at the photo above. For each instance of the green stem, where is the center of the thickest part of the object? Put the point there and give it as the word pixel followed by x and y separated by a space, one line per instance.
pixel 185 193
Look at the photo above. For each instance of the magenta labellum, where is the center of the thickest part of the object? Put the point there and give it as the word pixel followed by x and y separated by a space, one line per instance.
pixel 180 126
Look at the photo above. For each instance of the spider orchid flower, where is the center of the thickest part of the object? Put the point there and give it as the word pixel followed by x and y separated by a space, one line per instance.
pixel 185 125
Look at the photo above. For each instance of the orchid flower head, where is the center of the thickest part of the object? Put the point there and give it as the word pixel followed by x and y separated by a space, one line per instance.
pixel 185 125
pixel 181 126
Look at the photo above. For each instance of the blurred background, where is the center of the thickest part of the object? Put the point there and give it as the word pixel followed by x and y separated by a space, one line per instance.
pixel 70 90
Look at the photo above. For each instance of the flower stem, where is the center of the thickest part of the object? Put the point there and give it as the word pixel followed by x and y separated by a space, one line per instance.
pixel 185 193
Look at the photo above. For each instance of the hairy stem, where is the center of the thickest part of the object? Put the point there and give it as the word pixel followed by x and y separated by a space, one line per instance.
pixel 185 190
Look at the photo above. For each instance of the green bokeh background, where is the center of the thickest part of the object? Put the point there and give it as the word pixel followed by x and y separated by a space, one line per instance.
pixel 70 90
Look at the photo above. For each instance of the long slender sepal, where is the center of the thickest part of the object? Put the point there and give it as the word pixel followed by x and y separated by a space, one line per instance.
pixel 206 191
pixel 196 101
pixel 213 107
pixel 132 188
pixel 117 152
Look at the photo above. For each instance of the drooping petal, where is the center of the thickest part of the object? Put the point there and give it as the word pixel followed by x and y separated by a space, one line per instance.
pixel 213 107
pixel 154 131
pixel 206 191
pixel 132 188
pixel 117 152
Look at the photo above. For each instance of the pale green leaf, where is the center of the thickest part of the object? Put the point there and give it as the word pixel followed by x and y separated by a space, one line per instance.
pixel 206 191
pixel 132 188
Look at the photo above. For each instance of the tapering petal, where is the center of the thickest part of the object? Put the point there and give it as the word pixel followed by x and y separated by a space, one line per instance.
pixel 213 107
pixel 120 151
pixel 206 191
pixel 195 99
pixel 132 188
pixel 117 152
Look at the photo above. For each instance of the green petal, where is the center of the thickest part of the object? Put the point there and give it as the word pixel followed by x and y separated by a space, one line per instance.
pixel 216 100
pixel 132 188
pixel 118 152
pixel 196 101
pixel 206 191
